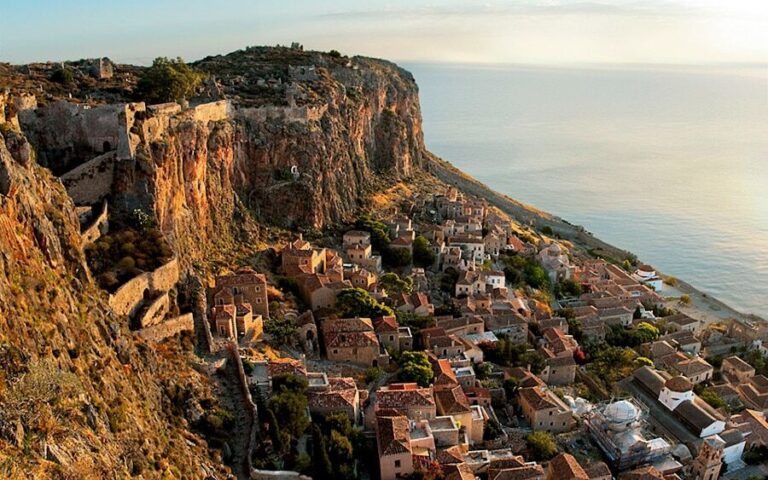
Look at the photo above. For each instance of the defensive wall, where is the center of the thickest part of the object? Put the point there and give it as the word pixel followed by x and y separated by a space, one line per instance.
pixel 91 182
pixel 97 227
pixel 167 329
pixel 129 297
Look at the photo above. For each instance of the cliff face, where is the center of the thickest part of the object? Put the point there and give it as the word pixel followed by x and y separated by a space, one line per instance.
pixel 79 398
pixel 337 133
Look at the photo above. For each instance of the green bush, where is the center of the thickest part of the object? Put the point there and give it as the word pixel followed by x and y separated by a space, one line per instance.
pixel 168 80
pixel 63 76
pixel 542 445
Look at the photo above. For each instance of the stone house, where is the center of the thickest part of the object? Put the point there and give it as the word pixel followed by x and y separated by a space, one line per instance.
pixel 320 290
pixel 234 321
pixel 470 282
pixel 394 446
pixel 555 261
pixel 472 246
pixel 512 325
pixel 361 278
pixel 462 325
pixel 685 341
pixel 306 331
pixel 243 287
pixel 754 394
pixel 452 258
pixel 559 370
pixel 356 237
pixel 417 303
pixel 544 410
pixel 392 336
pixel 683 323
pixel 224 321
pixel 736 370
pixel 353 340
pixel 695 369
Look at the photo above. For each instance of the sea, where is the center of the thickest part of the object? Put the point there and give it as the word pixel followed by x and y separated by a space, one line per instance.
pixel 669 162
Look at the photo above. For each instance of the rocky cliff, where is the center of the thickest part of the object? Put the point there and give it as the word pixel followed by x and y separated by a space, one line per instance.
pixel 300 142
pixel 79 396
pixel 305 159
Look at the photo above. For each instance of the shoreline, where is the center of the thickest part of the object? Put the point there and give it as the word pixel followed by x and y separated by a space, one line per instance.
pixel 703 306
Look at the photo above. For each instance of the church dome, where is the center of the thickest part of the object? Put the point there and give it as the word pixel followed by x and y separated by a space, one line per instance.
pixel 621 413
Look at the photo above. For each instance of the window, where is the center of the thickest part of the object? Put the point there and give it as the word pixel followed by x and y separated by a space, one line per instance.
pixel 335 350
pixel 397 463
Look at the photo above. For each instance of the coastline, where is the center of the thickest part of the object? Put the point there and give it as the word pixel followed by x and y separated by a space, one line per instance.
pixel 702 307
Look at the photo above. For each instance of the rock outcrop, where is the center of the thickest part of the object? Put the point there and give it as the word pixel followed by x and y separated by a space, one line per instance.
pixel 79 396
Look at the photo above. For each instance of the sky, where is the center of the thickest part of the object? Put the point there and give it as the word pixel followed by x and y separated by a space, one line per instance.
pixel 547 32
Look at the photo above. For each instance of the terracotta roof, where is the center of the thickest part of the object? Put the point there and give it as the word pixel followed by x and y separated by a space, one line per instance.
pixel 525 377
pixel 451 401
pixel 351 339
pixel 695 415
pixel 444 374
pixel 386 324
pixel 536 398
pixel 642 473
pixel 340 394
pixel 649 378
pixel 679 384
pixel 286 366
pixel 598 470
pixel 399 398
pixel 738 364
pixel 526 472
pixel 565 467
pixel 460 471
pixel 450 455
pixel 392 435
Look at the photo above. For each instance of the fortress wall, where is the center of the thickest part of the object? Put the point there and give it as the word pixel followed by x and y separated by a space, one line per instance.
pixel 155 311
pixel 157 333
pixel 91 182
pixel 99 226
pixel 212 112
pixel 128 298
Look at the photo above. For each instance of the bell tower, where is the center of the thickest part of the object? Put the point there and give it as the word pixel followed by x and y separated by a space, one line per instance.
pixel 708 462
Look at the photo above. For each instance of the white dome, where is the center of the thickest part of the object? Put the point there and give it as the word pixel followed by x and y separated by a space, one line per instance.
pixel 621 412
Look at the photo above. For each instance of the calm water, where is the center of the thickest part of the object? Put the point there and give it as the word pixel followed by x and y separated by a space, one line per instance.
pixel 671 164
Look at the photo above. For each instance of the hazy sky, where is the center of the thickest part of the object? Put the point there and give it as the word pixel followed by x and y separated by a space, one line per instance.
pixel 526 31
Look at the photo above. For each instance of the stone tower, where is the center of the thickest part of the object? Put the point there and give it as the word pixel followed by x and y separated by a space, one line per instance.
pixel 708 462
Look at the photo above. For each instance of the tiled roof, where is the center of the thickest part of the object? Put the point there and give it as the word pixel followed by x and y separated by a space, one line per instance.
pixel 399 399
pixel 642 473
pixel 679 384
pixel 526 472
pixel 536 398
pixel 341 393
pixel 459 471
pixel 392 435
pixel 450 455
pixel 738 364
pixel 598 470
pixel 351 339
pixel 451 401
pixel 386 324
pixel 565 467
pixel 286 366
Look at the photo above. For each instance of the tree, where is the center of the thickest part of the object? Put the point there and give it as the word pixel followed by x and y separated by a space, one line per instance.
pixel 567 288
pixel 415 367
pixel 542 445
pixel 422 253
pixel 356 302
pixel 281 330
pixel 291 408
pixel 448 280
pixel 274 432
pixel 168 80
pixel 394 285
pixel 536 276
pixel 63 76
pixel 323 468
pixel 397 257
pixel 289 383
pixel 379 232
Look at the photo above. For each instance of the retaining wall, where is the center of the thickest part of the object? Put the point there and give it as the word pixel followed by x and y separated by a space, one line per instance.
pixel 303 114
pixel 212 112
pixel 99 226
pixel 91 182
pixel 200 311
pixel 156 333
pixel 128 298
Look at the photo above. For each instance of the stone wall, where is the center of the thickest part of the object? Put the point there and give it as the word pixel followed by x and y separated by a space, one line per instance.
pixel 128 298
pixel 91 182
pixel 66 134
pixel 252 413
pixel 211 112
pixel 157 333
pixel 98 226
pixel 303 114
pixel 154 313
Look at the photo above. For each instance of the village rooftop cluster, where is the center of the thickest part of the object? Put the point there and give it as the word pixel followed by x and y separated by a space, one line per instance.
pixel 505 358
